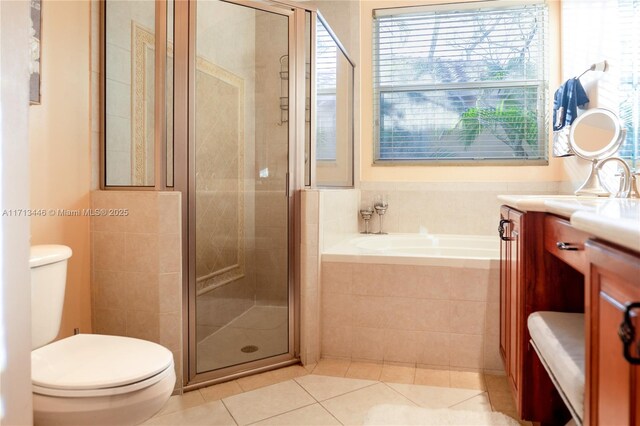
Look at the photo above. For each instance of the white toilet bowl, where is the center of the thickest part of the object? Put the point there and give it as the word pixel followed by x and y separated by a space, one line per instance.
pixel 88 379
pixel 91 379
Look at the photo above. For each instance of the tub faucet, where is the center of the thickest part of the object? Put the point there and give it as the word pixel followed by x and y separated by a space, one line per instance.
pixel 627 177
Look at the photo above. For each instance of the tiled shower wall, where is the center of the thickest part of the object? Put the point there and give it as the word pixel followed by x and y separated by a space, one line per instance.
pixel 271 164
pixel 468 208
pixel 136 277
pixel 430 316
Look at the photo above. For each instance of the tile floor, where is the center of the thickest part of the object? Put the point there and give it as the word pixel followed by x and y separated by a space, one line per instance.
pixel 333 392
pixel 265 327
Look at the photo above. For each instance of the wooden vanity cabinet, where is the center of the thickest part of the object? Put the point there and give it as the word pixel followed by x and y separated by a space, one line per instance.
pixel 531 279
pixel 510 324
pixel 548 265
pixel 612 395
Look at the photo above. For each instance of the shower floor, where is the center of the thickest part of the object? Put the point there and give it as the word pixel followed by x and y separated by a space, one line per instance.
pixel 264 327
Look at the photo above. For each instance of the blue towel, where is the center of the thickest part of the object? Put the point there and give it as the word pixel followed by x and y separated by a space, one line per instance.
pixel 566 101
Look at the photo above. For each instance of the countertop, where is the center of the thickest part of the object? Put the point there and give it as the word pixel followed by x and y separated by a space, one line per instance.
pixel 612 219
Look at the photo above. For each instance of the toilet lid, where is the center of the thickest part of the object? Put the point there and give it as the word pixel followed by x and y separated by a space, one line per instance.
pixel 93 361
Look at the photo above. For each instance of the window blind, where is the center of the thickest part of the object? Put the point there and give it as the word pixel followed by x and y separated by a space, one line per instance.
pixel 326 85
pixel 461 85
pixel 629 86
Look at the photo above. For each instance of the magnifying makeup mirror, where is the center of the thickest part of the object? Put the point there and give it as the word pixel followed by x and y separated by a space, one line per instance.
pixel 596 135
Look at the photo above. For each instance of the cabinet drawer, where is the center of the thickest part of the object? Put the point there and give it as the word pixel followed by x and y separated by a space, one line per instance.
pixel 565 242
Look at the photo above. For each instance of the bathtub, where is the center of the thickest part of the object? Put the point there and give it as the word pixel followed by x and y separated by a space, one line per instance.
pixel 474 251
pixel 417 299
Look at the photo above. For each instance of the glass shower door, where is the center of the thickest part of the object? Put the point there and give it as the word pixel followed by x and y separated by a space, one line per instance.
pixel 238 188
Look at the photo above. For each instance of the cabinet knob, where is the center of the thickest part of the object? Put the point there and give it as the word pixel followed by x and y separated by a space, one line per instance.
pixel 627 334
pixel 568 246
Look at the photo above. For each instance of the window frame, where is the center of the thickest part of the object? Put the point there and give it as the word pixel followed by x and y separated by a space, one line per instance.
pixel 379 89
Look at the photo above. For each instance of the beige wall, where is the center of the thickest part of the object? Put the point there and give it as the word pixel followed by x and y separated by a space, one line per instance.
pixel 444 173
pixel 15 307
pixel 137 269
pixel 59 138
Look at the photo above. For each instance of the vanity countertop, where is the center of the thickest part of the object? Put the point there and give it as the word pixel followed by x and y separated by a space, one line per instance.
pixel 613 219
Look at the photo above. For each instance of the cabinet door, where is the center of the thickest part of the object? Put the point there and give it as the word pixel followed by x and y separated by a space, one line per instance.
pixel 514 293
pixel 614 382
pixel 504 278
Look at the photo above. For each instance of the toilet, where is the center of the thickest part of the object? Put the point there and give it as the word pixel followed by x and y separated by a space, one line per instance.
pixel 88 378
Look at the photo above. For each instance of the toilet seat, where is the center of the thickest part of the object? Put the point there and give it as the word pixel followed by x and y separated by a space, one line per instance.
pixel 91 365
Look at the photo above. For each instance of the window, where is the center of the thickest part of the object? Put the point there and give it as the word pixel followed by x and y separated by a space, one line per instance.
pixel 326 85
pixel 629 86
pixel 461 83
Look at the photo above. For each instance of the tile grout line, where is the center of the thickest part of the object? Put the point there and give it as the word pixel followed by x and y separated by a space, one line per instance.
pixel 294 409
pixel 229 411
pixel 471 397
pixel 284 412
pixel 402 395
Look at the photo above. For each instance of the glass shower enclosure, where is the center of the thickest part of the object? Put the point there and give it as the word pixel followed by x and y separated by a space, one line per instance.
pixel 252 102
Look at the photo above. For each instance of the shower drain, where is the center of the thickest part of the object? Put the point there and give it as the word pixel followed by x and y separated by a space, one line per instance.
pixel 249 348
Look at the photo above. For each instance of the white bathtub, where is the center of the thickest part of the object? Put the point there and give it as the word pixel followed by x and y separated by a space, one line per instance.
pixel 476 251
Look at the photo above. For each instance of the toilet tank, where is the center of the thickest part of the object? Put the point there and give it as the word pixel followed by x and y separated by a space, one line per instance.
pixel 48 265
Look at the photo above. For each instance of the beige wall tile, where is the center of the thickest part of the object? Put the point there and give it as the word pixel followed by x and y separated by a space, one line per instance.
pixel 110 321
pixel 367 343
pixel 169 292
pixel 110 289
pixel 434 348
pixel 141 253
pixel 469 284
pixel 434 283
pixel 169 255
pixel 337 277
pixel 400 345
pixel 143 325
pixel 170 331
pixel 336 342
pixel 336 310
pixel 108 250
pixel 169 212
pixel 466 351
pixel 367 279
pixel 432 315
pixel 401 280
pixel 492 358
pixel 492 321
pixel 143 212
pixel 400 313
pixel 467 317
pixel 369 311
pixel 142 291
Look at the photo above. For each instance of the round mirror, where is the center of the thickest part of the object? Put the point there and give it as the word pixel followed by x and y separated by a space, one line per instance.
pixel 596 134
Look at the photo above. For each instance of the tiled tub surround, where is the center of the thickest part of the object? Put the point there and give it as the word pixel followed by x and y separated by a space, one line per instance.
pixel 425 315
pixel 468 208
pixel 136 268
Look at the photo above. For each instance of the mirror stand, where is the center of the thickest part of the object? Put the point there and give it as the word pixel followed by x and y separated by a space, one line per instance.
pixel 593 185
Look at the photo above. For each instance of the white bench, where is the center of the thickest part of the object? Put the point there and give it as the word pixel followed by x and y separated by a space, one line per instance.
pixel 558 339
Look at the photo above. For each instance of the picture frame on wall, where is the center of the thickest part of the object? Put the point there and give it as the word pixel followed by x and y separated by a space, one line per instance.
pixel 35 51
